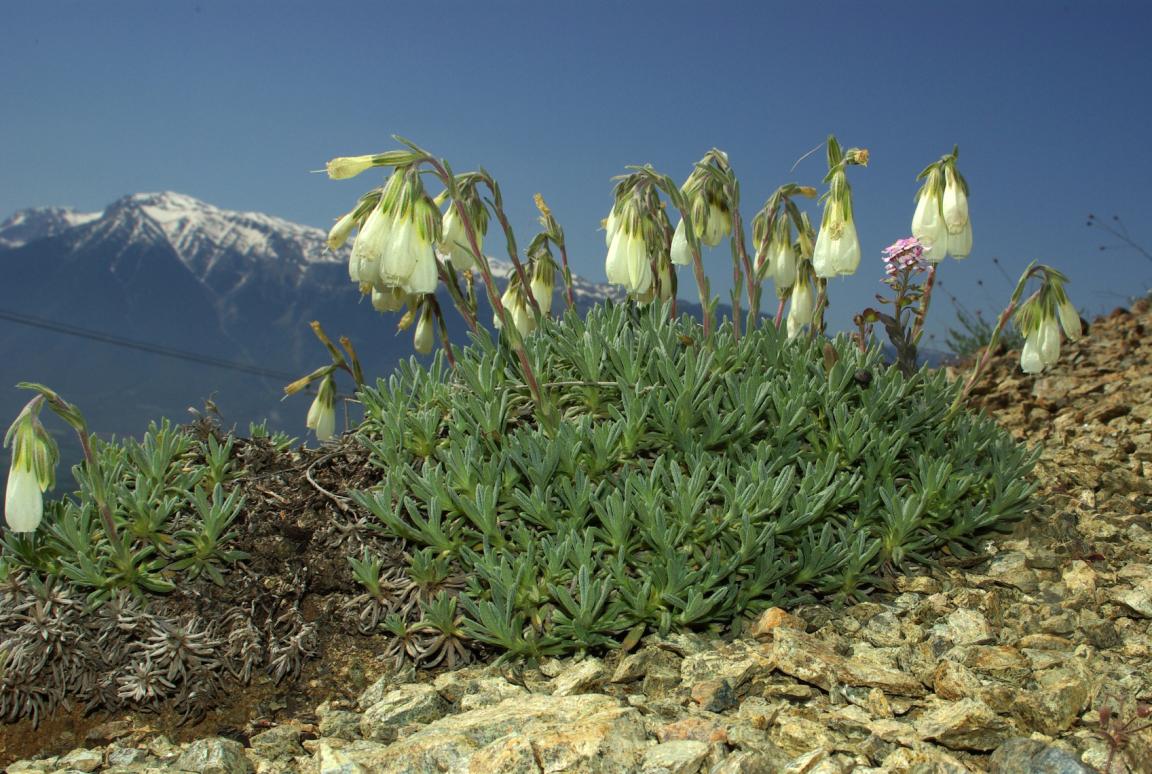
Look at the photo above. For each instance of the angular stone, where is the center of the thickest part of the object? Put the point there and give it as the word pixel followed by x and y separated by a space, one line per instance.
pixel 1021 755
pixel 714 695
pixel 1137 599
pixel 333 760
pixel 968 627
pixel 678 757
pixel 737 662
pixel 968 724
pixel 955 681
pixel 341 724
pixel 214 755
pixel 692 729
pixel 590 733
pixel 771 619
pixel 750 762
pixel 280 742
pixel 487 691
pixel 81 760
pixel 1053 707
pixel 414 703
pixel 808 659
pixel 585 676
pixel 1011 569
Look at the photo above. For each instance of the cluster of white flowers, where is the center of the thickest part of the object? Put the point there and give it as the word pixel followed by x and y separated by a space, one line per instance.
pixel 1042 321
pixel 941 222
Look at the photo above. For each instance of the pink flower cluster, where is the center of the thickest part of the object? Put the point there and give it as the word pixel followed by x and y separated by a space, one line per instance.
pixel 905 254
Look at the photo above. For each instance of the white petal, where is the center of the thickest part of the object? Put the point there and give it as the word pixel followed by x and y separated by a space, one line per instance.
pixel 1030 361
pixel 543 295
pixel 1049 341
pixel 848 256
pixel 399 258
pixel 610 228
pixel 1070 321
pixel 823 254
pixel 681 250
pixel 639 269
pixel 370 244
pixel 424 337
pixel 960 244
pixel 615 266
pixel 928 226
pixel 23 501
pixel 783 266
pixel 425 276
pixel 955 204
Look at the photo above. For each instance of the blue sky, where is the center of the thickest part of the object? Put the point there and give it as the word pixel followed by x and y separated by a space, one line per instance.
pixel 234 102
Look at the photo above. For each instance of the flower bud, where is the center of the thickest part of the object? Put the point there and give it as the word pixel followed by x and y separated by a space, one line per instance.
pixel 1070 320
pixel 339 233
pixel 348 166
pixel 681 249
pixel 425 331
pixel 369 247
pixel 322 413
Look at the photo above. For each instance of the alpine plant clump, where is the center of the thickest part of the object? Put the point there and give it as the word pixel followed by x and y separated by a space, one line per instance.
pixel 684 486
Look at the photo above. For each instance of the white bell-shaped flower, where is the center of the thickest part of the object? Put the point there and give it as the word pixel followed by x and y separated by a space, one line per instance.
pixel 960 243
pixel 23 498
pixel 929 228
pixel 800 309
pixel 369 247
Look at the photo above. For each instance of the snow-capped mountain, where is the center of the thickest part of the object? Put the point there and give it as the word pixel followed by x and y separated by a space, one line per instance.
pixel 170 270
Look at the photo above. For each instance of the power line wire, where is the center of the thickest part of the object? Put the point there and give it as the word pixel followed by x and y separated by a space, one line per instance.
pixel 141 346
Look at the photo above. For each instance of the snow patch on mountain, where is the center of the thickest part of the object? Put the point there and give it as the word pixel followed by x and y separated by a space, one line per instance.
pixel 29 225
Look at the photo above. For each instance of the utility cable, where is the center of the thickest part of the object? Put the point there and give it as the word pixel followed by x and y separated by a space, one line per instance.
pixel 141 346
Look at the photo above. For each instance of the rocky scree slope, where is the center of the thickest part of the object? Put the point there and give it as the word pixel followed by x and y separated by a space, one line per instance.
pixel 998 666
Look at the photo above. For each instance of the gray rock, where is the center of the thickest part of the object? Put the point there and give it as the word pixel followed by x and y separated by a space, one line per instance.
pixel 807 658
pixel 338 723
pixel 1021 755
pixel 413 703
pixel 214 755
pixel 589 733
pixel 277 743
pixel 1055 706
pixel 126 756
pixel 748 762
pixel 81 760
pixel 487 691
pixel 679 757
pixel 968 724
pixel 1137 599
pixel 968 627
pixel 579 678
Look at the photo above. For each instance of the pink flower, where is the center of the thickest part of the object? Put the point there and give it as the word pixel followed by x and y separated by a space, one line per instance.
pixel 904 254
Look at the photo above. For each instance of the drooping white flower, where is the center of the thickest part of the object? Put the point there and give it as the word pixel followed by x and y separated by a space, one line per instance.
pixel 322 413
pixel 543 283
pixel 717 225
pixel 369 247
pixel 800 309
pixel 681 250
pixel 955 203
pixel 782 263
pixel 454 244
pixel 1030 360
pixel 1049 341
pixel 837 249
pixel 627 262
pixel 23 499
pixel 928 224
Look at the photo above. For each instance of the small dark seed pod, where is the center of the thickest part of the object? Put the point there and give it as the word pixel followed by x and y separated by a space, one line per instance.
pixel 863 377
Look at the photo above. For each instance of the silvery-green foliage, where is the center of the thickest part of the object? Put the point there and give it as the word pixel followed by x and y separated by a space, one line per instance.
pixel 687 483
